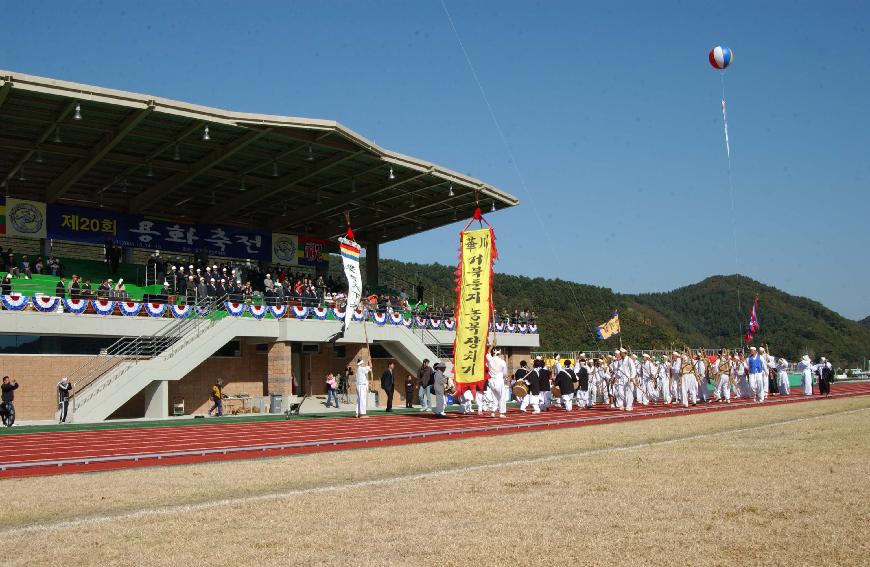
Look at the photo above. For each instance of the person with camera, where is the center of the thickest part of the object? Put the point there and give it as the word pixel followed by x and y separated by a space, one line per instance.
pixel 7 408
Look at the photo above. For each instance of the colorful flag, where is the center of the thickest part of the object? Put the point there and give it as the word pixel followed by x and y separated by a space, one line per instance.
pixel 754 327
pixel 473 307
pixel 609 328
pixel 350 251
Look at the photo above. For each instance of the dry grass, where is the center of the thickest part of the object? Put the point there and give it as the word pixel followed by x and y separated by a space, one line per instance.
pixel 788 494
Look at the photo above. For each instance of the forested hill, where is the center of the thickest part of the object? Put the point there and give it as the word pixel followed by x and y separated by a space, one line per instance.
pixel 865 322
pixel 702 314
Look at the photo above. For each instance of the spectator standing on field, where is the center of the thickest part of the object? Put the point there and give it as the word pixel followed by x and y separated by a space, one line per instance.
pixel 331 390
pixel 388 384
pixel 409 391
pixel 217 398
pixel 7 408
pixel 64 388
pixel 424 379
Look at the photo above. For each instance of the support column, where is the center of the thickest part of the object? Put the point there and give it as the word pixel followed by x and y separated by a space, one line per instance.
pixel 279 370
pixel 157 399
pixel 373 255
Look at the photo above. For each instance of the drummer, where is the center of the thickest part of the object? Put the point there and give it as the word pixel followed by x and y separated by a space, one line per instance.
pixel 581 373
pixel 565 382
pixel 532 378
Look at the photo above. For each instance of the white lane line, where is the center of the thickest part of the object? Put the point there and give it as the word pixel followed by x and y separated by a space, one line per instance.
pixel 223 502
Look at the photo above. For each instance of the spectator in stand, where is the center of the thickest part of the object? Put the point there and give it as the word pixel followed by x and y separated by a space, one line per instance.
pixel 120 289
pixel 74 287
pixel 220 288
pixel 6 286
pixel 420 291
pixel 201 290
pixel 105 289
pixel 24 267
pixel 211 289
pixel 86 289
pixel 60 288
pixel 165 293
pixel 39 266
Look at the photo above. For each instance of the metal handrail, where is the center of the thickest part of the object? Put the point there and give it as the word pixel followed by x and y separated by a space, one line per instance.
pixel 142 346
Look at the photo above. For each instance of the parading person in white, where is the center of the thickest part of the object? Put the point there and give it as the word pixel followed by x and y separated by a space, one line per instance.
pixel 362 386
pixel 497 370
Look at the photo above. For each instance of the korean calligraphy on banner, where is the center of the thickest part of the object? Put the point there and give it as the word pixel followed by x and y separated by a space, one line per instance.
pixel 82 224
pixel 473 305
pixel 609 328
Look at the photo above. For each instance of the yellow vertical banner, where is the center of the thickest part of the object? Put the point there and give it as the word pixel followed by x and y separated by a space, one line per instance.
pixel 473 306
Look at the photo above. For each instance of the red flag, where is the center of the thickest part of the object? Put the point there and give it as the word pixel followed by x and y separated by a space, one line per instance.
pixel 754 327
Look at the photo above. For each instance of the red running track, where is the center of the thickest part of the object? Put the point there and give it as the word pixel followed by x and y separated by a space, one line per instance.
pixel 35 454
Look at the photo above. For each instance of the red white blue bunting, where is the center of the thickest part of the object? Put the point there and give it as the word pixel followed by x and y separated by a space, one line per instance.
pixel 202 310
pixel 511 327
pixel 449 324
pixel 180 311
pixel 103 306
pixel 130 308
pixel 533 328
pixel 154 309
pixel 499 326
pixel 338 313
pixel 435 323
pixel 235 309
pixel 14 302
pixel 421 322
pixel 46 303
pixel 395 318
pixel 320 313
pixel 299 312
pixel 258 311
pixel 278 311
pixel 379 318
pixel 408 322
pixel 522 327
pixel 76 306
pixel 358 314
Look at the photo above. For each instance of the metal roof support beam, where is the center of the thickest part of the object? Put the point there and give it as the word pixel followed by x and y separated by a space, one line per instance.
pixel 215 157
pixel 417 211
pixel 324 211
pixel 258 194
pixel 4 91
pixel 69 177
pixel 42 138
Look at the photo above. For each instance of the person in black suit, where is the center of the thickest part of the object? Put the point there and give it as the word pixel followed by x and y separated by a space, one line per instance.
pixel 60 289
pixel 388 384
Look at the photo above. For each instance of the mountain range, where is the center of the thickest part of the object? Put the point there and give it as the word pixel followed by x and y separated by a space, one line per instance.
pixel 706 314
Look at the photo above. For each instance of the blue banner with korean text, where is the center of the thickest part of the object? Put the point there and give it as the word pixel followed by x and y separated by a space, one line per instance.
pixel 82 224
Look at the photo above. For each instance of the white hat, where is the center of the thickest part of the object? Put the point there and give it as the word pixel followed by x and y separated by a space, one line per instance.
pixel 497 351
pixel 622 350
pixel 64 379
pixel 761 349
pixel 212 279
pixel 646 355
pixel 824 359
pixel 675 353
pixel 190 278
pixel 805 358
pixel 174 268
pixel 752 348
pixel 215 266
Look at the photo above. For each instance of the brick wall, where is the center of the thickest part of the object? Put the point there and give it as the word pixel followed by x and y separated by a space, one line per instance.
pixel 36 397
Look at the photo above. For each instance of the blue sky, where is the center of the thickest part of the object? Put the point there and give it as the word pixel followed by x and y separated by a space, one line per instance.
pixel 611 110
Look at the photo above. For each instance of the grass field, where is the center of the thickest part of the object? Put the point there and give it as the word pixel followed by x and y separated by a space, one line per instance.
pixel 779 485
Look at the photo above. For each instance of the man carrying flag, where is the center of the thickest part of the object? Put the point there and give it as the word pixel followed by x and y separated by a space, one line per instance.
pixel 350 252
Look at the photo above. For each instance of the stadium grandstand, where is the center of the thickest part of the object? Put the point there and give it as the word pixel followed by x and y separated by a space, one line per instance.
pixel 151 246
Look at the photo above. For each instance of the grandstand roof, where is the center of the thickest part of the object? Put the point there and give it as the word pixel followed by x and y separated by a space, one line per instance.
pixel 146 154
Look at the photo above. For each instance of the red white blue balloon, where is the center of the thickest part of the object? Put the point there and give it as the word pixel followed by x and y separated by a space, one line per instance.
pixel 721 57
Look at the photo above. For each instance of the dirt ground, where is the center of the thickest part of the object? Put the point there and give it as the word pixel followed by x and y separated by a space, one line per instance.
pixel 778 485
